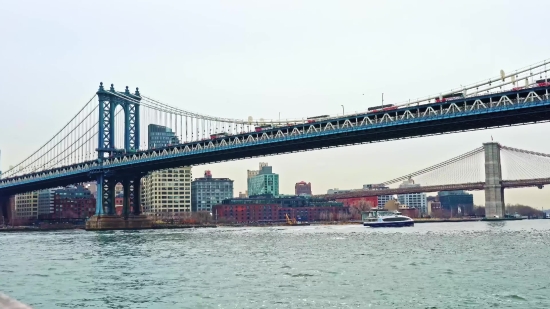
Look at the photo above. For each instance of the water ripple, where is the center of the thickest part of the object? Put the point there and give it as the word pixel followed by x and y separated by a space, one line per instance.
pixel 470 265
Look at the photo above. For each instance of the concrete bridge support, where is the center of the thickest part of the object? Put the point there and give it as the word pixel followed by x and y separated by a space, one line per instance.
pixel 4 210
pixel 136 205
pixel 106 217
pixel 494 193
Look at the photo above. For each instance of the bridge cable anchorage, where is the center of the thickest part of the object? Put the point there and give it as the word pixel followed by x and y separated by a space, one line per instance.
pixel 519 164
pixel 62 140
pixel 465 172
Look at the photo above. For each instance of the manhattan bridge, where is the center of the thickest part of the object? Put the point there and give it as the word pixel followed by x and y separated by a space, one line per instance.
pixel 106 140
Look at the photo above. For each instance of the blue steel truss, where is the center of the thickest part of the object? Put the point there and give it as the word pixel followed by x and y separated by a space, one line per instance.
pixel 478 113
pixel 108 102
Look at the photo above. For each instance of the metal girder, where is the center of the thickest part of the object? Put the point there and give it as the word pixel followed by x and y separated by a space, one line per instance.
pixel 531 107
pixel 108 102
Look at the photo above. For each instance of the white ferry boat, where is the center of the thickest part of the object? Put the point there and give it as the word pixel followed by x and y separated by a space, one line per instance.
pixel 385 218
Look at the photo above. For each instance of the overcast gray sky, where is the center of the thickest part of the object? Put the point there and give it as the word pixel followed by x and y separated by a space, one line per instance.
pixel 259 58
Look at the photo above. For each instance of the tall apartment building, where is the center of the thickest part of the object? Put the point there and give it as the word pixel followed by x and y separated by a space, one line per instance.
pixel 45 202
pixel 416 200
pixel 160 136
pixel 26 205
pixel 266 182
pixel 207 192
pixel 73 202
pixel 302 188
pixel 168 190
pixel 252 173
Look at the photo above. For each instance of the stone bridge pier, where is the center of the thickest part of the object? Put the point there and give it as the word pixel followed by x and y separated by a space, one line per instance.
pixel 494 193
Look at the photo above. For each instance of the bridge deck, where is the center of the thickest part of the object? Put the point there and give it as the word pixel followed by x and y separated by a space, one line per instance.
pixel 494 110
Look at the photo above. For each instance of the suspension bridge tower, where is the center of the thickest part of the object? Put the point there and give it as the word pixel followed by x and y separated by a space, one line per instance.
pixel 105 215
pixel 494 192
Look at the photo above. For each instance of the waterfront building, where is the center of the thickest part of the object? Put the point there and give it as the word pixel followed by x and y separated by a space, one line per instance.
pixel 413 200
pixel 45 201
pixel 381 200
pixel 169 190
pixel 119 203
pixel 26 205
pixel 360 202
pixel 265 182
pixel 264 209
pixel 434 209
pixel 457 202
pixel 71 202
pixel 208 191
pixel 302 188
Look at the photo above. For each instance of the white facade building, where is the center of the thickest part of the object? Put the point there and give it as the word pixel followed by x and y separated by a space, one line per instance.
pixel 416 200
pixel 167 191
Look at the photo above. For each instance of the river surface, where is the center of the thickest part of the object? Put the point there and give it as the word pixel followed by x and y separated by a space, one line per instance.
pixel 432 265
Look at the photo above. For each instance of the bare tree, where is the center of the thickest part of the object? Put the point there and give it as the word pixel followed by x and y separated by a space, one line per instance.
pixel 343 216
pixel 356 209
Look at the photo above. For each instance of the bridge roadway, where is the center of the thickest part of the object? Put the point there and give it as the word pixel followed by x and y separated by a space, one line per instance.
pixel 506 108
pixel 472 186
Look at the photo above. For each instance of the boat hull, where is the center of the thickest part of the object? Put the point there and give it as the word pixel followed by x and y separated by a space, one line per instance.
pixel 389 224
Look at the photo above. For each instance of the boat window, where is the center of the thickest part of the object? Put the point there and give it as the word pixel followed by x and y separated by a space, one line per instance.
pixel 395 219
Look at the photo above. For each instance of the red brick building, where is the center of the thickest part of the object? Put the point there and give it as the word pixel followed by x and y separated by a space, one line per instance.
pixel 73 202
pixel 302 188
pixel 248 213
pixel 409 212
pixel 119 205
pixel 372 201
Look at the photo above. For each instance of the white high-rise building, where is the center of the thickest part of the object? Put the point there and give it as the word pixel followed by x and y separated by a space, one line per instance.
pixel 26 205
pixel 416 200
pixel 382 199
pixel 167 191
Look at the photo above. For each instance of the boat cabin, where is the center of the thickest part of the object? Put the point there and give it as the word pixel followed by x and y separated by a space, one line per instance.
pixel 372 215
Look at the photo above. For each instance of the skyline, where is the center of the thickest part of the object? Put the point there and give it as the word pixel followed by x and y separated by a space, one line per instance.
pixel 526 196
pixel 241 60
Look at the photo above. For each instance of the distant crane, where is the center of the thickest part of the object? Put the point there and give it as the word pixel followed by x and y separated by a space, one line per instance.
pixel 290 221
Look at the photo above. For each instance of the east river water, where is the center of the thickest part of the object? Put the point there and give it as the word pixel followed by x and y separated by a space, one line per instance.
pixel 433 265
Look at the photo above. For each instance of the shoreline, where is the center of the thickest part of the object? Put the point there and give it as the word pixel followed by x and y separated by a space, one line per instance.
pixel 193 226
pixel 83 228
